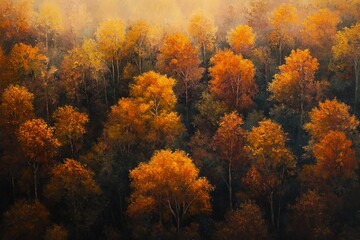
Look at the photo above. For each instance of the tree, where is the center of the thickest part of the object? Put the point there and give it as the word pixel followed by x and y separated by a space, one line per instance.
pixel 318 32
pixel 243 224
pixel 295 85
pixel 156 90
pixel 241 39
pixel 49 21
pixel 179 59
pixel 170 185
pixel 56 232
pixel 16 108
pixel 27 62
pixel 26 220
pixel 282 21
pixel 228 142
pixel 311 216
pixel 233 79
pixel 147 116
pixel 137 44
pixel 345 52
pixel 72 186
pixel 203 30
pixel 271 162
pixel 331 115
pixel 69 125
pixel 38 144
pixel 111 36
pixel 335 158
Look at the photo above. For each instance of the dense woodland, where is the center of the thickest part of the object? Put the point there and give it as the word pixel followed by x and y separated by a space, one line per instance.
pixel 235 124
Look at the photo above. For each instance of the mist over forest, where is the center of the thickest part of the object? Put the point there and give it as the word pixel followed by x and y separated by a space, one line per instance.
pixel 179 119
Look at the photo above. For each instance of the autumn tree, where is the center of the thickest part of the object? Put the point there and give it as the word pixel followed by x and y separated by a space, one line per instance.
pixel 311 217
pixel 179 59
pixel 26 62
pixel 228 142
pixel 73 188
pixel 295 86
pixel 170 185
pixel 345 53
pixel 203 30
pixel 232 79
pixel 69 126
pixel 155 90
pixel 241 39
pixel 137 46
pixel 335 159
pixel 147 116
pixel 16 108
pixel 26 220
pixel 318 32
pixel 111 36
pixel 15 20
pixel 82 73
pixel 257 17
pixel 331 115
pixel 271 163
pixel 49 21
pixel 245 223
pixel 283 21
pixel 39 145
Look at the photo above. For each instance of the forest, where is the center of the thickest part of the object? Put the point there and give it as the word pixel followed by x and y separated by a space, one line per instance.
pixel 179 119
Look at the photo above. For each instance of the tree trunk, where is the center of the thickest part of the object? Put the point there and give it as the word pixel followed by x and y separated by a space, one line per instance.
pixel 230 187
pixel 105 90
pixel 35 169
pixel 271 201
pixel 113 79
pixel 280 53
pixel 47 103
pixel 356 69
pixel 187 104
pixel 278 217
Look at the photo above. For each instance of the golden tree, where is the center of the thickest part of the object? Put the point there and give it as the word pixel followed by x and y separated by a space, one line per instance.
pixel 179 59
pixel 346 53
pixel 170 185
pixel 283 21
pixel 241 39
pixel 271 161
pixel 228 142
pixel 39 145
pixel 232 79
pixel 295 85
pixel 69 125
pixel 202 28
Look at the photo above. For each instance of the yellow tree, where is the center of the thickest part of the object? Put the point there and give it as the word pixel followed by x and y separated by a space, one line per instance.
pixel 241 39
pixel 346 53
pixel 26 62
pixel 73 186
pixel 271 162
pixel 169 184
pixel 49 21
pixel 147 115
pixel 233 79
pixel 318 32
pixel 39 145
pixel 331 115
pixel 16 108
pixel 137 44
pixel 69 126
pixel 111 36
pixel 295 85
pixel 203 30
pixel 283 21
pixel 228 142
pixel 156 90
pixel 179 59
